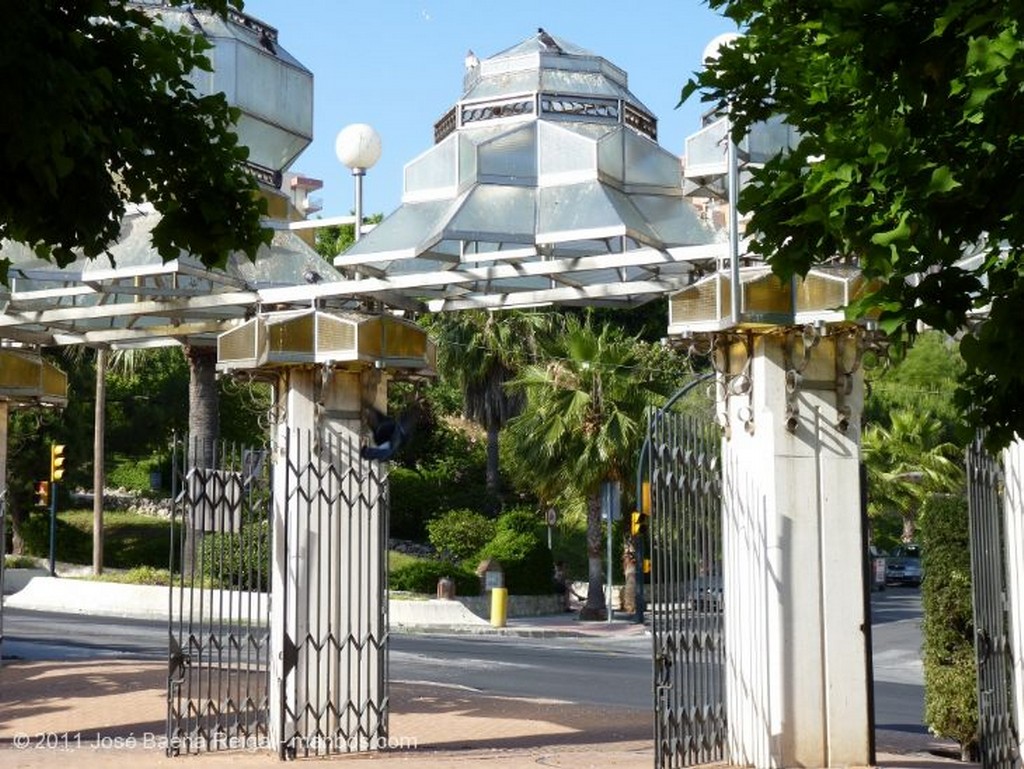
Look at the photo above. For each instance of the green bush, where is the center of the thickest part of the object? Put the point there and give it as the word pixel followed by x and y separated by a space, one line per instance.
pixel 521 548
pixel 950 672
pixel 134 473
pixel 418 496
pixel 421 576
pixel 237 559
pixel 459 534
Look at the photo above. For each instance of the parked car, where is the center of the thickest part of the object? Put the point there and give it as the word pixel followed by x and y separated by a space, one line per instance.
pixel 903 566
pixel 705 594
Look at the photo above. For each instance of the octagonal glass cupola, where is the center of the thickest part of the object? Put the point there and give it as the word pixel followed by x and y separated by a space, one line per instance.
pixel 547 156
pixel 273 91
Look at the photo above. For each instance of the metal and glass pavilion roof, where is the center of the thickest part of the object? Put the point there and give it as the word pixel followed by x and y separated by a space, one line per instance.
pixel 545 184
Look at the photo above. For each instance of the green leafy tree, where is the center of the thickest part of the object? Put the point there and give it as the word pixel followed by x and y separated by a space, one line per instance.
pixel 922 380
pixel 97 109
pixel 337 238
pixel 907 463
pixel 909 156
pixel 483 351
pixel 582 425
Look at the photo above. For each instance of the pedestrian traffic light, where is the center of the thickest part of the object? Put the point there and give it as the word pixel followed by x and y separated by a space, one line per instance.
pixel 56 462
pixel 43 494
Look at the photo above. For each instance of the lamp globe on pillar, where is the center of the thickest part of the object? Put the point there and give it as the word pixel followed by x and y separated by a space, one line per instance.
pixel 358 148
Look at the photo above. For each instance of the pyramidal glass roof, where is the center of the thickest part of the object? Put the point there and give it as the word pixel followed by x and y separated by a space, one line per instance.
pixel 545 184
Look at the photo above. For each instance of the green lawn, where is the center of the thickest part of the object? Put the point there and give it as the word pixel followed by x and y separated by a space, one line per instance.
pixel 130 539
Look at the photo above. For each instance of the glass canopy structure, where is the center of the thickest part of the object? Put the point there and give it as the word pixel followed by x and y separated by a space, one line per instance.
pixel 545 185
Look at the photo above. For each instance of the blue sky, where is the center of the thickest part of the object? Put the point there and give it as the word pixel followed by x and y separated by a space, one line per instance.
pixel 398 65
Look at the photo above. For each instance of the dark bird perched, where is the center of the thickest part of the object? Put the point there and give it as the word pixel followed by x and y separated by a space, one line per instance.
pixel 389 433
pixel 312 276
pixel 548 41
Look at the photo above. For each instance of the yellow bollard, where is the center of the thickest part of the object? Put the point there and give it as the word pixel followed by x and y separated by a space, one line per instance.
pixel 499 606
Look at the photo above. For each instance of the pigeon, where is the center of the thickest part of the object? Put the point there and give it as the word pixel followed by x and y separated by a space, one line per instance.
pixel 312 276
pixel 548 41
pixel 389 433
pixel 472 62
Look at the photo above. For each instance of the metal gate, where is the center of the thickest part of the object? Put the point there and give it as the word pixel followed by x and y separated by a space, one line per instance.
pixel 279 644
pixel 687 590
pixel 334 693
pixel 219 646
pixel 997 735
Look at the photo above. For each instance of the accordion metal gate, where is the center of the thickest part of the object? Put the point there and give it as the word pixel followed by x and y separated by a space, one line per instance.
pixel 997 733
pixel 219 631
pixel 687 590
pixel 278 628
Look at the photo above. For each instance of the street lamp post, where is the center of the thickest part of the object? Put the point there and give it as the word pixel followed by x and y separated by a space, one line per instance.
pixel 358 148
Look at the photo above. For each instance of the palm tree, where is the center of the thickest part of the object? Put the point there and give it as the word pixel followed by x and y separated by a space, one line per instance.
pixel 582 425
pixel 906 463
pixel 483 351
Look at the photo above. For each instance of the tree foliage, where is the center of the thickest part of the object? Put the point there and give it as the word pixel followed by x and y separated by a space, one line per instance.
pixel 583 424
pixel 923 380
pixel 911 141
pixel 907 463
pixel 97 109
pixel 484 351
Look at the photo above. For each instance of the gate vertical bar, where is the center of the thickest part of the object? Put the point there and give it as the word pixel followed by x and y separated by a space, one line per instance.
pixel 996 729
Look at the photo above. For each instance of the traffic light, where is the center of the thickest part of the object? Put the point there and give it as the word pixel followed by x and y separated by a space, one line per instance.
pixel 639 519
pixel 43 494
pixel 56 462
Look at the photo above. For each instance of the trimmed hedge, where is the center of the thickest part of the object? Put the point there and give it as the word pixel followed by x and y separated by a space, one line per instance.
pixel 422 576
pixel 950 670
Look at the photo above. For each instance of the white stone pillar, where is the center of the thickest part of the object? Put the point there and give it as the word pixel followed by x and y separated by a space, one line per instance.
pixel 1013 516
pixel 796 677
pixel 328 619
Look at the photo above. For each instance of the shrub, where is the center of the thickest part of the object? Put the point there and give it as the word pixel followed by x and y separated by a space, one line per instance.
pixel 135 473
pixel 520 547
pixel 418 496
pixel 951 703
pixel 460 533
pixel 237 559
pixel 421 576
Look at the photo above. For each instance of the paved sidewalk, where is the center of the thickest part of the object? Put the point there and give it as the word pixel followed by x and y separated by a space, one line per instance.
pixel 86 714
pixel 112 714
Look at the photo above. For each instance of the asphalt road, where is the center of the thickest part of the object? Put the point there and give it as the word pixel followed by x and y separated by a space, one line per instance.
pixel 598 671
pixel 899 676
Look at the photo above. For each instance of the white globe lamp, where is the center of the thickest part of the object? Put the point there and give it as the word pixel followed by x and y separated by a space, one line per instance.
pixel 358 148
